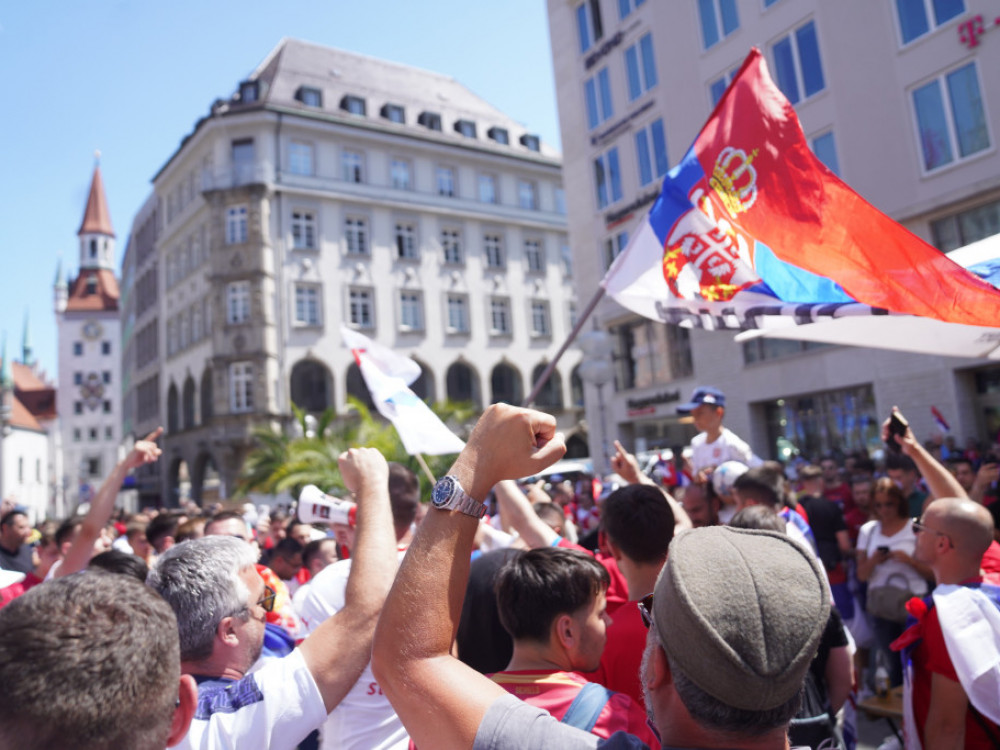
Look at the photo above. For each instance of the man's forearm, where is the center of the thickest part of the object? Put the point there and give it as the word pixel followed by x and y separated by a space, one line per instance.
pixel 97 516
pixel 940 481
pixel 522 517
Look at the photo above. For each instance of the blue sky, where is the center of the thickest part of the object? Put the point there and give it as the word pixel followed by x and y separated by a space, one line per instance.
pixel 131 77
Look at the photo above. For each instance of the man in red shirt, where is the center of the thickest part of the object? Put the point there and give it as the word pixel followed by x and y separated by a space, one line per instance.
pixel 552 602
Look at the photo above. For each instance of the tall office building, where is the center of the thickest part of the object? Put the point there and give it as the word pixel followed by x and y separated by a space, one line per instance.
pixel 329 189
pixel 895 97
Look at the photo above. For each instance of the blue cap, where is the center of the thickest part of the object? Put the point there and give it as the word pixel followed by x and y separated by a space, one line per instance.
pixel 704 394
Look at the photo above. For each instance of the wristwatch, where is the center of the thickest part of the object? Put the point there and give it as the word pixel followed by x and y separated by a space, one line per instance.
pixel 449 495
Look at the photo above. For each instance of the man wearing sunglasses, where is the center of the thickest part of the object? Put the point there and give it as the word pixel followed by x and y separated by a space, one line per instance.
pixel 221 604
pixel 736 619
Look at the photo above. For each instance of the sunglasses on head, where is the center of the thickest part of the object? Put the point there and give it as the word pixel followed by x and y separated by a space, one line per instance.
pixel 645 606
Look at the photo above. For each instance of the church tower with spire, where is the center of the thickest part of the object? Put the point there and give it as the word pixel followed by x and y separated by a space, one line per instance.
pixel 87 317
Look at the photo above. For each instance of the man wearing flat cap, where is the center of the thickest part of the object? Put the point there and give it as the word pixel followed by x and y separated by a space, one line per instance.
pixel 735 619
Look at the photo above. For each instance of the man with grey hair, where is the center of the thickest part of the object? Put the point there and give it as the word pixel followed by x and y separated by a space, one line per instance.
pixel 221 604
pixel 90 661
pixel 736 619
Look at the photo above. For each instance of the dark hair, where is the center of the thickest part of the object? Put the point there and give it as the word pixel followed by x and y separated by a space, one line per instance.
pixel 900 461
pixel 121 563
pixel 8 518
pixel 313 550
pixel 287 548
pixel 162 526
pixel 810 471
pixel 761 484
pixel 90 661
pixel 551 513
pixel 887 487
pixel 536 586
pixel 759 517
pixel 67 528
pixel 404 495
pixel 227 515
pixel 639 521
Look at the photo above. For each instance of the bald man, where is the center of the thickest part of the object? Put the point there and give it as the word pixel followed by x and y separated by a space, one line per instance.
pixel 961 626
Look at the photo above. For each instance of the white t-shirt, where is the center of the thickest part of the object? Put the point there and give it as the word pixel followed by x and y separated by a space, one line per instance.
pixel 364 719
pixel 728 447
pixel 870 538
pixel 275 707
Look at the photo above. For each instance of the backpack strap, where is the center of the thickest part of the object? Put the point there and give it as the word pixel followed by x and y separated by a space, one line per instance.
pixel 587 706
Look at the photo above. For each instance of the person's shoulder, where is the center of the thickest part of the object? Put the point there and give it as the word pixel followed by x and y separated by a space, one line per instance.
pixel 699 439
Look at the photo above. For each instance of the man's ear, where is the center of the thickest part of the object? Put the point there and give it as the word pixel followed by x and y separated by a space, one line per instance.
pixel 187 702
pixel 659 674
pixel 613 549
pixel 564 631
pixel 226 631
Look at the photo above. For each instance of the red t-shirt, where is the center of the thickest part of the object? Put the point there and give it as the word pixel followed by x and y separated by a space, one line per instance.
pixel 991 564
pixel 619 670
pixel 617 593
pixel 930 656
pixel 554 691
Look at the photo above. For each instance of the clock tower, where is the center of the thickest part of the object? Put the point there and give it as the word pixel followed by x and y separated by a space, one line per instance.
pixel 87 317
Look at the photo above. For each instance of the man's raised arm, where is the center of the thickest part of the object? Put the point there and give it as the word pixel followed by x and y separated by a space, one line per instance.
pixel 340 648
pixel 939 480
pixel 440 700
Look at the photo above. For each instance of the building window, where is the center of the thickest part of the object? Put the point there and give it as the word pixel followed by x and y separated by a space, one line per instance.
pixel 77 348
pixel 451 245
pixel 77 378
pixel 353 163
pixel 718 87
pixel 248 91
pixel 560 200
pixel 534 255
pixel 588 23
pixel 597 91
pixel 411 311
pixel 488 188
pixel 718 20
pixel 500 324
pixel 105 347
pixel 399 171
pixel 499 135
pixel 107 407
pixel 303 230
pixel 540 325
pixel 918 17
pixel 627 6
pixel 77 435
pixel 826 151
pixel 465 128
pixel 106 377
pixel 94 467
pixel 797 67
pixel 430 120
pixel 647 352
pixel 236 225
pixel 966 226
pixel 951 119
pixel 566 255
pixel 530 142
pixel 613 247
pixel 356 232
pixel 458 313
pixel 640 65
pixel 446 181
pixel 243 156
pixel 306 305
pixel 607 178
pixel 394 113
pixel 300 158
pixel 651 152
pixel 406 241
pixel 241 387
pixel 362 308
pixel 109 433
pixel 493 249
pixel 527 195
pixel 92 434
pixel 238 302
pixel 309 96
pixel 78 407
pixel 354 105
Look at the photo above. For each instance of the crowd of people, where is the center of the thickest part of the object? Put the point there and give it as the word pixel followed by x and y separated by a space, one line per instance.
pixel 726 602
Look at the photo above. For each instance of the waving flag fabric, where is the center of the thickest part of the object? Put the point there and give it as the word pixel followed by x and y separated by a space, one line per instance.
pixel 751 230
pixel 384 371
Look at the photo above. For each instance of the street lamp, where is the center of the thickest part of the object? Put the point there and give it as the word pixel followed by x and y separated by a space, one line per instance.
pixel 597 370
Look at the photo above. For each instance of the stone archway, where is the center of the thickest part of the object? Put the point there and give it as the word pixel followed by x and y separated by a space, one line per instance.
pixel 205 480
pixel 551 395
pixel 462 384
pixel 311 386
pixel 506 385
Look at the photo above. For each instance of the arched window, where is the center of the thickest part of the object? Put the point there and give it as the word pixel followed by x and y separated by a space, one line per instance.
pixel 423 386
pixel 189 398
pixel 576 387
pixel 172 415
pixel 462 384
pixel 506 385
pixel 356 386
pixel 206 396
pixel 312 386
pixel 550 397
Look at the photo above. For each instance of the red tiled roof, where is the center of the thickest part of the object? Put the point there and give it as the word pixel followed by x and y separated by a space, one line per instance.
pixel 104 297
pixel 36 396
pixel 96 219
pixel 21 417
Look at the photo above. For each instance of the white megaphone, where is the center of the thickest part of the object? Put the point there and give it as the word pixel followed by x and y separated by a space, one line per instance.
pixel 315 506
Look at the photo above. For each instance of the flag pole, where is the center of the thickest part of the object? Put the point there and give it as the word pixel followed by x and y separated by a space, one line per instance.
pixel 425 467
pixel 547 372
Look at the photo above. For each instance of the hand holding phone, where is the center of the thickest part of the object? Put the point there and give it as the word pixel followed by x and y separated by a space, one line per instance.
pixel 897 426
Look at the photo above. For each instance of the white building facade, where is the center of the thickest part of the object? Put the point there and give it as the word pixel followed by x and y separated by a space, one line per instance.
pixel 337 189
pixel 897 97
pixel 89 356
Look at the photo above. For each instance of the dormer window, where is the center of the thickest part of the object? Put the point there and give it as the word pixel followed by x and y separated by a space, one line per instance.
pixel 394 113
pixel 249 92
pixel 91 285
pixel 355 105
pixel 499 135
pixel 311 97
pixel 430 120
pixel 466 128
pixel 530 142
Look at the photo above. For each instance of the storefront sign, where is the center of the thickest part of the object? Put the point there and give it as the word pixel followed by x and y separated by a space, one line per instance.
pixel 592 59
pixel 620 125
pixel 616 217
pixel 970 31
pixel 647 405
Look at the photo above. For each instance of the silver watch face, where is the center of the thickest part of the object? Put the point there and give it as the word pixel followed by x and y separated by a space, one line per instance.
pixel 443 491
